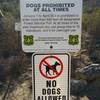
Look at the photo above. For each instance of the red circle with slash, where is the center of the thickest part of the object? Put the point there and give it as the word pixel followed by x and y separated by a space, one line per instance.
pixel 49 66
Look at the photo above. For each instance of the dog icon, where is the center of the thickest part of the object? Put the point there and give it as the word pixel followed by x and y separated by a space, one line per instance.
pixel 53 66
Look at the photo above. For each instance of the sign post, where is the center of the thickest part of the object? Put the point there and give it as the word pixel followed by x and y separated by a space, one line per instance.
pixel 51 76
pixel 47 24
pixel 18 29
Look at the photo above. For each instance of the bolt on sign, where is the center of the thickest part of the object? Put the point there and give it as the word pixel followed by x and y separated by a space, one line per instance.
pixel 51 76
pixel 47 24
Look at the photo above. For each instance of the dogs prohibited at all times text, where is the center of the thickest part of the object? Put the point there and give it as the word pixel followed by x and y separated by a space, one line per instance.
pixel 51 76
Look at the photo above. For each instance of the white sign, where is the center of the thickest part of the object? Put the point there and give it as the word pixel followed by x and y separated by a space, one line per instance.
pixel 17 26
pixel 51 76
pixel 51 24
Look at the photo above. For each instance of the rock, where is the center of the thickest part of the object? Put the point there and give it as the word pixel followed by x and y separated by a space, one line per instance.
pixel 1 85
pixel 84 98
pixel 95 56
pixel 73 98
pixel 93 90
pixel 79 98
pixel 79 61
pixel 88 73
pixel 2 73
pixel 77 86
pixel 20 92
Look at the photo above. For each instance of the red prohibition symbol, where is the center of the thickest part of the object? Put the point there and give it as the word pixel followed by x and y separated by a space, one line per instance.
pixel 48 70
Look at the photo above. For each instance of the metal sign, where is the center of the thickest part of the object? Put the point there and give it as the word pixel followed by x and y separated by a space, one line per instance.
pixel 47 24
pixel 17 26
pixel 51 76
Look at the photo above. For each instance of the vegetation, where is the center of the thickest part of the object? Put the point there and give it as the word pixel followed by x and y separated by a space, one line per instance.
pixel 8 36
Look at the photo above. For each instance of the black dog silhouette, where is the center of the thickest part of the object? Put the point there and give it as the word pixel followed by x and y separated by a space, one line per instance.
pixel 53 66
